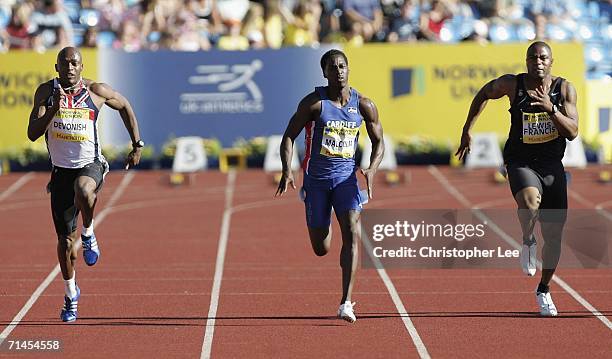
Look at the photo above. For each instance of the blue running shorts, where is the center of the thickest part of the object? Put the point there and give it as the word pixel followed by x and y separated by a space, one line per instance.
pixel 321 195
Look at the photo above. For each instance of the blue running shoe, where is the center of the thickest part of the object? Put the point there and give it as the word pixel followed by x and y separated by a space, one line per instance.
pixel 69 311
pixel 91 252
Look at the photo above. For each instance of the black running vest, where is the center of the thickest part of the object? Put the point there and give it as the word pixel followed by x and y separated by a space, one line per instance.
pixel 533 136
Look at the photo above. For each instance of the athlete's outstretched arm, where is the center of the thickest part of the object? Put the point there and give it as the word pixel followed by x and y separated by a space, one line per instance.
pixel 41 115
pixel 566 118
pixel 309 105
pixel 494 89
pixel 116 101
pixel 375 132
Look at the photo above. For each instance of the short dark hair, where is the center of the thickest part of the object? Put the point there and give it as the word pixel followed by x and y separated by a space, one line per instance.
pixel 329 54
pixel 539 44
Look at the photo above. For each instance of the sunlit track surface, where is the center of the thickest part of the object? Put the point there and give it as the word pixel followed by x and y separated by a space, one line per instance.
pixel 150 293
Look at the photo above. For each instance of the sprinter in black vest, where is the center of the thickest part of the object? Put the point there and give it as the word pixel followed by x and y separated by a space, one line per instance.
pixel 543 115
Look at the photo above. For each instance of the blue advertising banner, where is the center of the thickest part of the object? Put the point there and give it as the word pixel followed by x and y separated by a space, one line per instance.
pixel 216 94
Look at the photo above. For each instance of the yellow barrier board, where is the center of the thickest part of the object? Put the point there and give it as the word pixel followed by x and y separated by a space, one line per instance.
pixel 20 74
pixel 598 121
pixel 426 89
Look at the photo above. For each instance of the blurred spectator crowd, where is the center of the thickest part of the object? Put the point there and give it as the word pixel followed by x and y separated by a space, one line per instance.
pixel 194 25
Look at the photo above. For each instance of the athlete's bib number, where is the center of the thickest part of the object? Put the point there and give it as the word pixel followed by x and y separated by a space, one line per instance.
pixel 72 124
pixel 339 142
pixel 538 128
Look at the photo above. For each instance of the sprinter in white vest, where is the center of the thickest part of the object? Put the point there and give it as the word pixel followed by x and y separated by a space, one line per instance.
pixel 66 112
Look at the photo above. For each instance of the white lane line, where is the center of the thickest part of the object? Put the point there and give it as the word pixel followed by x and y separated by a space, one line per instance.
pixel 448 186
pixel 508 239
pixel 399 305
pixel 43 202
pixel 579 198
pixel 388 202
pixel 16 186
pixel 56 270
pixel 495 202
pixel 599 208
pixel 603 204
pixel 125 181
pixel 207 345
pixel 186 196
pixel 216 288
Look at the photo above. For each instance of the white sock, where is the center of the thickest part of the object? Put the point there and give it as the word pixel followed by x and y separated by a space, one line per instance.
pixel 70 287
pixel 88 231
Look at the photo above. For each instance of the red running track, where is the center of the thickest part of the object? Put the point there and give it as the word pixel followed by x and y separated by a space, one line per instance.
pixel 150 294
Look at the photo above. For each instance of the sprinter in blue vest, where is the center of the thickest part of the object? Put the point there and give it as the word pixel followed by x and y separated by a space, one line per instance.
pixel 332 116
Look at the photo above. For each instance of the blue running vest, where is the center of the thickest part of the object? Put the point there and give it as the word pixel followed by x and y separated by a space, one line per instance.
pixel 331 139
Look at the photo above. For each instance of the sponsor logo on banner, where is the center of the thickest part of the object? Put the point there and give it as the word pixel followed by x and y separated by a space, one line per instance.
pixel 604 119
pixel 223 89
pixel 17 87
pixel 464 80
pixel 406 80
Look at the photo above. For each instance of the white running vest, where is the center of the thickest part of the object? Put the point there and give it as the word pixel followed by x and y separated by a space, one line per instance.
pixel 72 136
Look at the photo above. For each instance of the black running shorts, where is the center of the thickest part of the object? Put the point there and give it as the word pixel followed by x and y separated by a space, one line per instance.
pixel 65 214
pixel 549 179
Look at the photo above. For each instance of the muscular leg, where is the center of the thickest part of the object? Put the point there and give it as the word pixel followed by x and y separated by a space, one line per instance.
pixel 351 232
pixel 318 212
pixel 85 198
pixel 64 219
pixel 528 200
pixel 552 233
pixel 67 253
pixel 320 239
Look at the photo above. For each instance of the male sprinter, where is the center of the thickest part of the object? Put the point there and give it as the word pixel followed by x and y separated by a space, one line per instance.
pixel 332 116
pixel 543 115
pixel 66 112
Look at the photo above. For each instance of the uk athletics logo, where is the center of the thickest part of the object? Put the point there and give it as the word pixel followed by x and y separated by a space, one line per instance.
pixel 223 89
pixel 407 80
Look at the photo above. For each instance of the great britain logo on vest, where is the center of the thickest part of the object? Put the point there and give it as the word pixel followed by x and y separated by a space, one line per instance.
pixel 223 89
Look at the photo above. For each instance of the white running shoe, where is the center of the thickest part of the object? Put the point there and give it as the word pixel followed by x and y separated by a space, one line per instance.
pixel 547 307
pixel 346 312
pixel 529 257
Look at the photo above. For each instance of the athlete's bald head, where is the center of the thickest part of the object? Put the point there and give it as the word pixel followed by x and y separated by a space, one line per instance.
pixel 539 60
pixel 539 45
pixel 69 52
pixel 69 66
